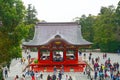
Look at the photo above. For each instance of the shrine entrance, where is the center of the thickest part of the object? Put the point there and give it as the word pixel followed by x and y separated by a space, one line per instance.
pixel 58 45
pixel 58 52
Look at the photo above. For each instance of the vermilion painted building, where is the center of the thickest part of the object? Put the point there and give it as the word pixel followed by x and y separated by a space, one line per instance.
pixel 58 44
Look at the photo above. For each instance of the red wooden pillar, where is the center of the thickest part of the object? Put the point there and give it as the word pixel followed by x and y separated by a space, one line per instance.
pixel 64 55
pixel 39 55
pixel 76 54
pixel 51 55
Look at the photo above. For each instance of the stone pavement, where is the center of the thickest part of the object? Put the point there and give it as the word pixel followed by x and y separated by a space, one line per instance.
pixel 16 67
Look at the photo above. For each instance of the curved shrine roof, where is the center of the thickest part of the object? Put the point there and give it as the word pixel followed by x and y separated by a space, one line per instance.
pixel 69 31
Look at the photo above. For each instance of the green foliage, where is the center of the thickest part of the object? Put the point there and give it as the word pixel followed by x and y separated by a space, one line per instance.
pixel 16 24
pixel 31 19
pixel 87 26
pixel 22 31
pixel 104 29
pixel 118 14
pixel 12 31
pixel 31 32
pixel 112 46
pixel 36 61
pixel 12 13
pixel 31 15
pixel 117 20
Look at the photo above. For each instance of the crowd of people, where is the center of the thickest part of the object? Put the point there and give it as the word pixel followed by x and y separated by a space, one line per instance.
pixel 57 75
pixel 34 75
pixel 108 70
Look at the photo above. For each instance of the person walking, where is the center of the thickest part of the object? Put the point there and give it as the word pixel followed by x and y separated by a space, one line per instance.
pixel 88 74
pixel 41 75
pixel 62 69
pixel 54 69
pixel 36 75
pixel 118 51
pixel 6 72
pixel 54 77
pixel 60 75
pixel 48 77
pixel 70 78
pixel 84 56
pixel 90 55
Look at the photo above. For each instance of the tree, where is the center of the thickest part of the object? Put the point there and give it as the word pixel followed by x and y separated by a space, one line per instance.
pixel 31 20
pixel 13 30
pixel 104 29
pixel 87 26
pixel 117 13
pixel 31 15
pixel 117 20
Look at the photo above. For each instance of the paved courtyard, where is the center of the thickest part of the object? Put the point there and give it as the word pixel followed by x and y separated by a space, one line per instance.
pixel 16 67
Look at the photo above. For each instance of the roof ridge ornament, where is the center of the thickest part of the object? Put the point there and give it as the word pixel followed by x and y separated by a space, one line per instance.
pixel 57 36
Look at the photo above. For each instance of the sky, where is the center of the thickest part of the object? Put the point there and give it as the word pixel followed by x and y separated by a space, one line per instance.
pixel 67 10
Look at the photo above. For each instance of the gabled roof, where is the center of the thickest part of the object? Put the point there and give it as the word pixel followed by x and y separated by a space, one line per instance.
pixel 69 31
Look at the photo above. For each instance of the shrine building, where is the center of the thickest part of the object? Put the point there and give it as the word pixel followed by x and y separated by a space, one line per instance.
pixel 58 44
